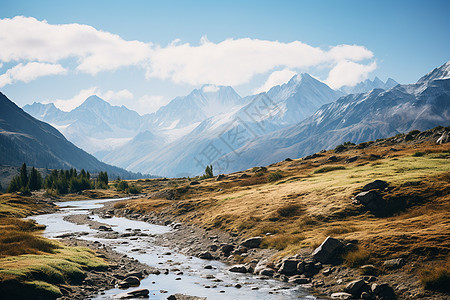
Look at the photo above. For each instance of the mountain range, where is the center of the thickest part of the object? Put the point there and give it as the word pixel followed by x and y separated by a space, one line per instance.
pixel 26 139
pixel 213 124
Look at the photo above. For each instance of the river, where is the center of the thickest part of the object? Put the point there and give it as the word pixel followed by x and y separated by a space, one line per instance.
pixel 194 280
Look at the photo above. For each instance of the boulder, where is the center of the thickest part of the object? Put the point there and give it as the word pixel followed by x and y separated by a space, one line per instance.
pixel 444 138
pixel 332 158
pixel 141 293
pixel 220 177
pixel 371 199
pixel 327 250
pixel 253 242
pixel 184 297
pixel 194 183
pixel 226 249
pixel 129 282
pixel 376 185
pixel 393 263
pixel 341 295
pixel 104 228
pixel 351 159
pixel 299 279
pixel 289 267
pixel 383 291
pixel 267 272
pixel 238 269
pixel 356 287
pixel 205 255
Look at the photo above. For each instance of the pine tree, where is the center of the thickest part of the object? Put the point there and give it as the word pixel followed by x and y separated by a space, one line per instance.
pixel 23 176
pixel 35 180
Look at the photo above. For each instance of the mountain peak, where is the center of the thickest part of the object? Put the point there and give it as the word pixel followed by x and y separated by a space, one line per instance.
pixel 94 100
pixel 440 73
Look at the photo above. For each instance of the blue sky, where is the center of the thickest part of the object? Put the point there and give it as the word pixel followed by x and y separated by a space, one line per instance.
pixel 214 43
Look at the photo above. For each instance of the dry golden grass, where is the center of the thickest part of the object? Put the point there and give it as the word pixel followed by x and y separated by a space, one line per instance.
pixel 313 204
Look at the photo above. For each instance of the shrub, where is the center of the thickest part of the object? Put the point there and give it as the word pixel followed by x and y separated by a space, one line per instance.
pixel 328 169
pixel 122 185
pixel 133 189
pixel 289 210
pixel 274 176
pixel 357 258
pixel 418 154
pixel 281 241
pixel 437 278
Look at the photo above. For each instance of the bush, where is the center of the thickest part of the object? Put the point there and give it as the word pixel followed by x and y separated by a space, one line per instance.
pixel 122 186
pixel 329 169
pixel 134 189
pixel 418 154
pixel 357 258
pixel 289 210
pixel 437 278
pixel 274 176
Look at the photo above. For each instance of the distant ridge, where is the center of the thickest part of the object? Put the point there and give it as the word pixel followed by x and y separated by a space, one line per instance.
pixel 26 139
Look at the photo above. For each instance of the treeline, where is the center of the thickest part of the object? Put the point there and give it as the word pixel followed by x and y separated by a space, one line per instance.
pixel 25 181
pixel 62 181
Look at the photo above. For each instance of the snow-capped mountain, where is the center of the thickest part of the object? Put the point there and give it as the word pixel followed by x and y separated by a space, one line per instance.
pixel 94 126
pixel 281 106
pixel 199 105
pixel 356 118
pixel 368 85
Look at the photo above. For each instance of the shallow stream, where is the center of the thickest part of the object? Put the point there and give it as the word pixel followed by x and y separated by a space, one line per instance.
pixel 191 278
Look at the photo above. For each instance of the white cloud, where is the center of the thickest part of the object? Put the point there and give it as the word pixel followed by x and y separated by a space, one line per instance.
pixel 26 38
pixel 349 73
pixel 210 88
pixel 236 61
pixel 276 78
pixel 150 103
pixel 29 72
pixel 229 62
pixel 114 97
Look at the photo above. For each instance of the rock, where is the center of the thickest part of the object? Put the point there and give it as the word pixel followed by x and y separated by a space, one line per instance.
pixel 267 272
pixel 220 177
pixel 139 274
pixel 141 293
pixel 208 267
pixel 288 159
pixel 445 138
pixel 327 250
pixel 213 247
pixel 375 185
pixel 244 176
pixel 341 295
pixel 238 269
pixel 371 199
pixel 184 297
pixel 237 285
pixel 356 287
pixel 253 242
pixel 194 183
pixel 383 291
pixel 129 282
pixel 332 158
pixel 369 270
pixel 226 249
pixel 104 228
pixel 299 279
pixel 328 271
pixel 289 267
pixel 393 263
pixel 205 255
pixel 351 159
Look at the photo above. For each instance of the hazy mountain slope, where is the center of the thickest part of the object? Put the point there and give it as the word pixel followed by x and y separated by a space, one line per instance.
pixel 368 85
pixel 282 106
pixel 356 118
pixel 26 139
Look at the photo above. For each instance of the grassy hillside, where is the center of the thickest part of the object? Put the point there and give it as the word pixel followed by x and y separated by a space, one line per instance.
pixel 32 266
pixel 295 204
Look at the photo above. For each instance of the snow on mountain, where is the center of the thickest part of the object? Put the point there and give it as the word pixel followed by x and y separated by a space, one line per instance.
pixel 368 85
pixel 281 106
pixel 356 118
